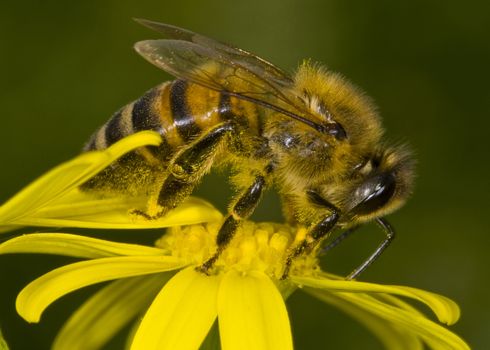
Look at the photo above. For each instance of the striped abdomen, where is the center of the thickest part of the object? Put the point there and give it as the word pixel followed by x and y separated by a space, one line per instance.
pixel 180 112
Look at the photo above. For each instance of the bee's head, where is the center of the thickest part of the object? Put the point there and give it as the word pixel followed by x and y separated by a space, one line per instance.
pixel 381 184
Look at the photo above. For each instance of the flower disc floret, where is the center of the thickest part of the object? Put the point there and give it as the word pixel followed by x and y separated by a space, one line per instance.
pixel 260 247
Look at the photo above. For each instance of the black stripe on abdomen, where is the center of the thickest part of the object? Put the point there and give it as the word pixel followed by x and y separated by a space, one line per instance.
pixel 113 131
pixel 183 119
pixel 143 115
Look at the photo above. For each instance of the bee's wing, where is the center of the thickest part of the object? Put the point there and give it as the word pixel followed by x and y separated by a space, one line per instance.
pixel 257 65
pixel 217 66
pixel 225 68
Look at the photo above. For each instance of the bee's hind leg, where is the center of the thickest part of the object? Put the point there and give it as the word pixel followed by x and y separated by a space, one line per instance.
pixel 185 171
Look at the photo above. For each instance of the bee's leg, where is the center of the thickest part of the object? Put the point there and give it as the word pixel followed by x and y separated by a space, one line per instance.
pixel 242 209
pixel 385 226
pixel 390 234
pixel 313 237
pixel 186 169
pixel 337 240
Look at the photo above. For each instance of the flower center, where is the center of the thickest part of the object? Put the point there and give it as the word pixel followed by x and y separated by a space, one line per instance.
pixel 255 246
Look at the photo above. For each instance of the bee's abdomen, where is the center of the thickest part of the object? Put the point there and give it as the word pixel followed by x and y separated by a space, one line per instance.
pixel 142 114
pixel 179 111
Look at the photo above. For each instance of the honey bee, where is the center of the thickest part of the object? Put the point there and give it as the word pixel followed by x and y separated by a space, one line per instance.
pixel 313 136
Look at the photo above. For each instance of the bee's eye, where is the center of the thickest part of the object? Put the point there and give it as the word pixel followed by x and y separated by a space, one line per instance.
pixel 374 193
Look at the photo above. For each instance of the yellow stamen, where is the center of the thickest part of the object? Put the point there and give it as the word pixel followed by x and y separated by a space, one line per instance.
pixel 255 247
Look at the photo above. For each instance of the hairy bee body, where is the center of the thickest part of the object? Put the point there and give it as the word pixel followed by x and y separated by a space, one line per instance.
pixel 313 136
pixel 180 112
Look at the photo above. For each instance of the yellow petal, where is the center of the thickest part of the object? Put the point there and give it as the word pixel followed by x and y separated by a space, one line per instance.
pixel 446 310
pixel 397 302
pixel 39 294
pixel 436 336
pixel 67 176
pixel 108 311
pixel 74 245
pixel 252 314
pixel 391 335
pixel 181 315
pixel 84 210
pixel 3 343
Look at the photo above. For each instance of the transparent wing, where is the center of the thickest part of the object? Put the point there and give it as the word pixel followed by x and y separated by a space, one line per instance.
pixel 254 64
pixel 225 68
pixel 218 66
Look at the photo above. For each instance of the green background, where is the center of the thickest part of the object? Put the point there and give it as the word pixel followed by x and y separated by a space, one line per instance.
pixel 65 67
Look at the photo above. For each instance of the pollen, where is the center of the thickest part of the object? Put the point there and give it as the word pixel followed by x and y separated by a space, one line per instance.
pixel 255 247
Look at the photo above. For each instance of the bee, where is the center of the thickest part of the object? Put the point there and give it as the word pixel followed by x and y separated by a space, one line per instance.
pixel 313 136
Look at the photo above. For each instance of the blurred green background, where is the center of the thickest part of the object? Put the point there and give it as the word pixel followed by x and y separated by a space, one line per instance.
pixel 65 67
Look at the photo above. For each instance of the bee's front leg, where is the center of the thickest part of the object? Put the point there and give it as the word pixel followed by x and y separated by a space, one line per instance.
pixel 316 234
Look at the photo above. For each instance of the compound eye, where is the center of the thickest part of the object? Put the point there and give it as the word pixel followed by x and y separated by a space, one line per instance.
pixel 375 193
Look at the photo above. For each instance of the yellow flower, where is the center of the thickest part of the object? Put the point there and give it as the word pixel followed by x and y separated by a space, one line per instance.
pixel 244 293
